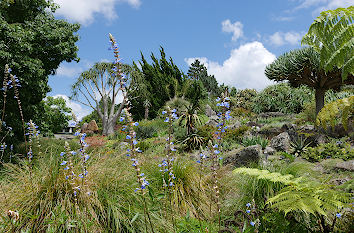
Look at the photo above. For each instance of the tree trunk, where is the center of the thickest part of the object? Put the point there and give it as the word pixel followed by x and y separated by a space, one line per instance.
pixel 146 113
pixel 319 97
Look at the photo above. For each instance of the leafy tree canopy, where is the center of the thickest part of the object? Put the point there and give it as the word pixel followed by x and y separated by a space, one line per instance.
pixel 56 115
pixel 33 43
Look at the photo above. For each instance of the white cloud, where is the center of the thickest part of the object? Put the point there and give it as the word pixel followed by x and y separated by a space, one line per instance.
pixel 283 18
pixel 67 71
pixel 282 38
pixel 322 5
pixel 83 11
pixel 243 69
pixel 78 109
pixel 235 28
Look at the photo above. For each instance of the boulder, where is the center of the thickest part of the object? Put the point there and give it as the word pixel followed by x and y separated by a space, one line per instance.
pixel 346 165
pixel 84 127
pixel 281 142
pixel 243 157
pixel 291 129
pixel 209 111
pixel 213 121
pixel 269 151
pixel 92 126
pixel 234 125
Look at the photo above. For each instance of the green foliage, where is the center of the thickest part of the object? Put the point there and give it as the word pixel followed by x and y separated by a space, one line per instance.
pixel 146 131
pixel 299 145
pixel 235 134
pixel 337 149
pixel 158 82
pixel 198 71
pixel 189 119
pixel 33 43
pixel 195 92
pixel 332 35
pixel 309 198
pixel 281 98
pixel 331 111
pixel 299 195
pixel 255 140
pixel 243 98
pixel 178 103
pixel 206 131
pixel 302 67
pixel 56 115
pixel 193 142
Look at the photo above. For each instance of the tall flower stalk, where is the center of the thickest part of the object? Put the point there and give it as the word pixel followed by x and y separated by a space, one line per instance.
pixel 131 134
pixel 223 115
pixel 167 163
pixel 11 81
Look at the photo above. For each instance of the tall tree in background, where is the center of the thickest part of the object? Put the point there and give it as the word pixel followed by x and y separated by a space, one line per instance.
pixel 56 115
pixel 33 43
pixel 101 84
pixel 198 71
pixel 158 82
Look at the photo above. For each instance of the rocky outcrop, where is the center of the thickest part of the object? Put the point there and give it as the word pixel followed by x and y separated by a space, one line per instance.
pixel 209 111
pixel 213 121
pixel 281 142
pixel 346 165
pixel 244 156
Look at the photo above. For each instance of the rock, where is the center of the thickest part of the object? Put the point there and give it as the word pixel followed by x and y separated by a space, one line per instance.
pixel 346 165
pixel 243 157
pixel 291 129
pixel 307 129
pixel 92 126
pixel 84 127
pixel 269 151
pixel 209 111
pixel 235 125
pixel 270 132
pixel 281 142
pixel 271 114
pixel 252 123
pixel 213 121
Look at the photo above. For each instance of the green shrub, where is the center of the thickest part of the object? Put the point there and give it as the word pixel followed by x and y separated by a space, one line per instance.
pixel 143 146
pixel 243 98
pixel 206 131
pixel 236 134
pixel 240 112
pixel 145 131
pixel 255 140
pixel 338 150
pixel 282 98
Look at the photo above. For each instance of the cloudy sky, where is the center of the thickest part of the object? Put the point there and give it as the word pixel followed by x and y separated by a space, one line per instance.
pixel 235 39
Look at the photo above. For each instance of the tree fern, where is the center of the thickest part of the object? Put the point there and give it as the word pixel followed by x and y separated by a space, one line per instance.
pixel 300 195
pixel 331 111
pixel 332 35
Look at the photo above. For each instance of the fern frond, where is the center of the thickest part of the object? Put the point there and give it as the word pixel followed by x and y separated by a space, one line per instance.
pixel 266 175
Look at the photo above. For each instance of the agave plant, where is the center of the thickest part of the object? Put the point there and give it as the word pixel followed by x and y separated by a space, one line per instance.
pixel 189 119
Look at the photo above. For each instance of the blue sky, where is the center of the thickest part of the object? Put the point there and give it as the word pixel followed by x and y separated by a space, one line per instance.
pixel 235 39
